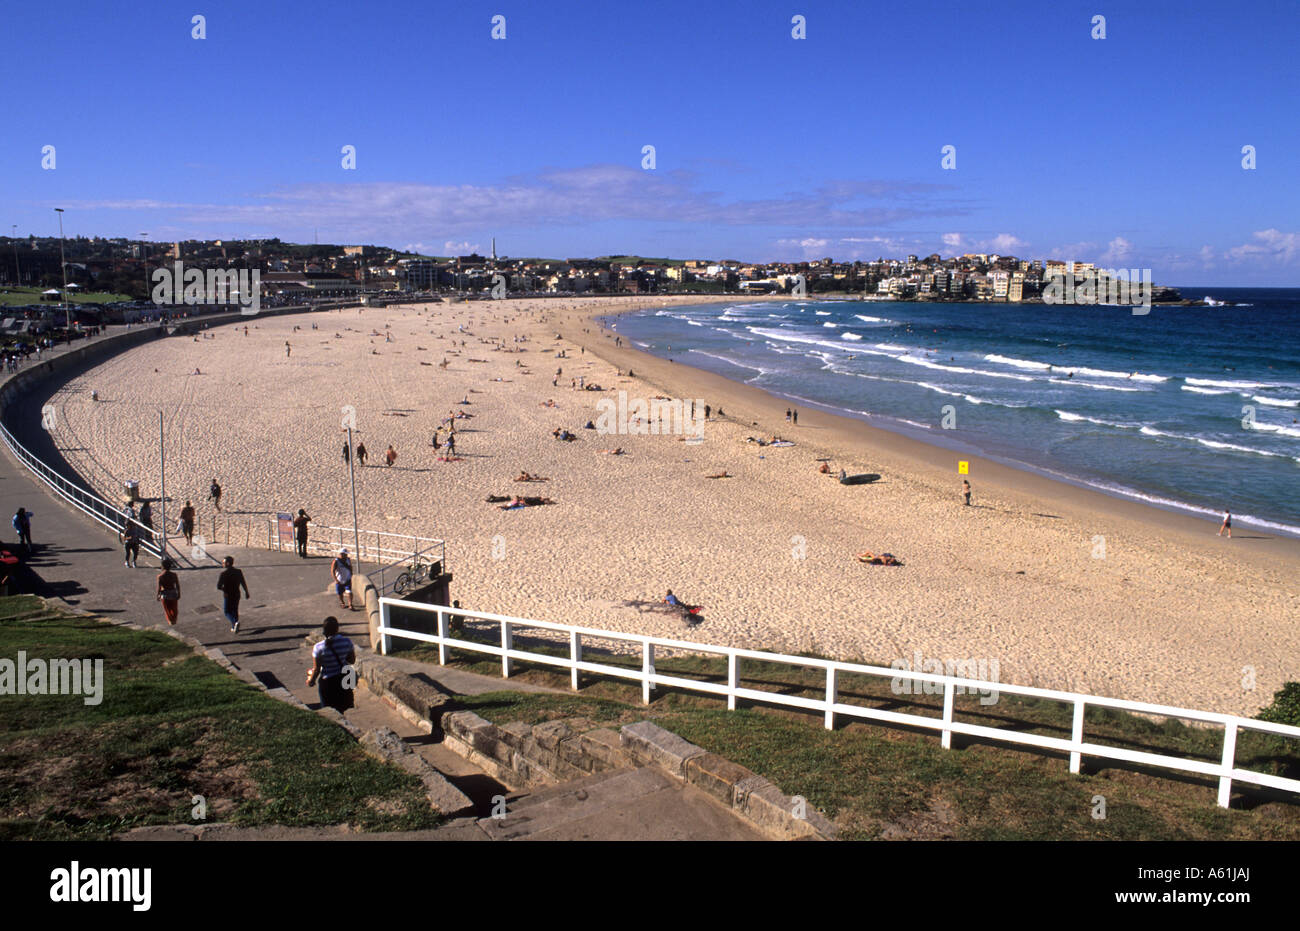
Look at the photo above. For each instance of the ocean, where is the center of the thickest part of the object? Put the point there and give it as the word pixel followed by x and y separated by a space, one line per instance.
pixel 1195 409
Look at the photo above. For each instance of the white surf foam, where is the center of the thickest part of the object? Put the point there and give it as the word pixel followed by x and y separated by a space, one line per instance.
pixel 1274 402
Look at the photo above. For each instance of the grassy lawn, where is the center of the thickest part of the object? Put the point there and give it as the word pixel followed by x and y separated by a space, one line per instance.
pixel 20 296
pixel 895 782
pixel 173 725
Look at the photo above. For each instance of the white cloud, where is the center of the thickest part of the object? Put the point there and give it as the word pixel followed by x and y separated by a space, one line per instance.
pixel 953 242
pixel 1004 244
pixel 576 196
pixel 1117 251
pixel 1272 246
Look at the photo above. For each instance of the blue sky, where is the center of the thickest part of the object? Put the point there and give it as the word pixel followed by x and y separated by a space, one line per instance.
pixel 1124 151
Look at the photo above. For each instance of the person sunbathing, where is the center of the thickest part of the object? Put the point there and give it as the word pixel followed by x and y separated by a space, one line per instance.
pixel 530 477
pixel 524 502
pixel 722 474
pixel 613 452
pixel 825 468
pixel 884 559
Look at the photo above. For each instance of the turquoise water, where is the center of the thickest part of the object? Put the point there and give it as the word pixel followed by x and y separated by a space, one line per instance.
pixel 1191 408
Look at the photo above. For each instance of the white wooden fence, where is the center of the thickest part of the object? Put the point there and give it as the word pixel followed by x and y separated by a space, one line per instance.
pixel 1225 770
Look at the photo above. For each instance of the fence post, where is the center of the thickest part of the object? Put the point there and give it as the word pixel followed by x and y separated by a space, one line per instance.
pixel 647 669
pixel 384 640
pixel 1076 736
pixel 442 632
pixel 831 674
pixel 1229 761
pixel 575 655
pixel 733 679
pixel 507 643
pixel 949 693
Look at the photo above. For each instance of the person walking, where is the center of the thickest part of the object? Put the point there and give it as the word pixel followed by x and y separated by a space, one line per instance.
pixel 347 454
pixel 451 444
pixel 391 456
pixel 794 417
pixel 23 524
pixel 169 590
pixel 300 527
pixel 187 523
pixel 331 671
pixel 1227 524
pixel 146 518
pixel 965 490
pixel 229 583
pixel 341 572
pixel 214 492
pixel 130 538
pixel 287 349
pixel 361 454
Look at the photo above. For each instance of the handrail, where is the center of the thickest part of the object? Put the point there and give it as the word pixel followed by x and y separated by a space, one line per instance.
pixel 1226 769
pixel 85 501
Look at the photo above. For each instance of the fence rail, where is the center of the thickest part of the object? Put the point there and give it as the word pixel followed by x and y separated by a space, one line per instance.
pixel 1076 746
pixel 90 504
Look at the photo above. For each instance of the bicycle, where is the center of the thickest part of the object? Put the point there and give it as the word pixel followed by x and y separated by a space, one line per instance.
pixel 411 577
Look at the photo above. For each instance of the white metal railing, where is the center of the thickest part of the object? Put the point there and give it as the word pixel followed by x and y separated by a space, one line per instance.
pixel 1225 770
pixel 375 546
pixel 85 501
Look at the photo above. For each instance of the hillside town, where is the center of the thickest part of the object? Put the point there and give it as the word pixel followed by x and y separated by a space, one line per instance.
pixel 102 274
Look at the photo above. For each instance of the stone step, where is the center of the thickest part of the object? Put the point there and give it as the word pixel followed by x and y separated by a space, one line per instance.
pixel 526 800
pixel 622 804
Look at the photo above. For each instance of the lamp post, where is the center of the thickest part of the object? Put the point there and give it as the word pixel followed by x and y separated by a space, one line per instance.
pixel 162 485
pixel 144 262
pixel 356 533
pixel 63 261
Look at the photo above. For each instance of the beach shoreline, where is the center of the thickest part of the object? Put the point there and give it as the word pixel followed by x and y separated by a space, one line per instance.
pixel 850 437
pixel 1165 613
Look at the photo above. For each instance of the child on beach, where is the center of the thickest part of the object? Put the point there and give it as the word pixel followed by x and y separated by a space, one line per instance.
pixel 391 456
pixel 1227 524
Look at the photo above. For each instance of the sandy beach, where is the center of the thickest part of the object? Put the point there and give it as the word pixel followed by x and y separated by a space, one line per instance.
pixel 1171 613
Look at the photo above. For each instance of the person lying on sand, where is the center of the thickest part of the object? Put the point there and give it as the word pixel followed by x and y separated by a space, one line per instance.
pixel 562 434
pixel 613 452
pixel 722 474
pixel 689 612
pixel 825 468
pixel 524 502
pixel 884 559
pixel 530 477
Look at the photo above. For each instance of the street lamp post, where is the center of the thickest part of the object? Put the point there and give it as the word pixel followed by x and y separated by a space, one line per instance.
pixel 162 484
pixel 356 533
pixel 63 261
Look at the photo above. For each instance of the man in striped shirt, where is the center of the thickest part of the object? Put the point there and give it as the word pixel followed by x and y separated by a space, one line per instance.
pixel 332 670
